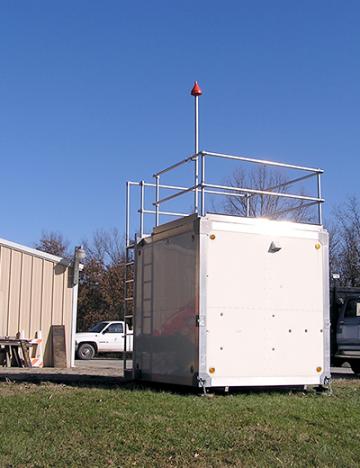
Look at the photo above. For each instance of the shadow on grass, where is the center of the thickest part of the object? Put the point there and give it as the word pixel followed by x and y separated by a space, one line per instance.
pixel 122 384
pixel 98 381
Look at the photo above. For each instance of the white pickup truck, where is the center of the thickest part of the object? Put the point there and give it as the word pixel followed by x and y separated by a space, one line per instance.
pixel 103 337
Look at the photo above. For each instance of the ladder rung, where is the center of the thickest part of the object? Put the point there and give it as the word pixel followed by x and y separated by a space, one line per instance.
pixel 130 246
pixel 128 316
pixel 129 263
pixel 129 298
pixel 129 281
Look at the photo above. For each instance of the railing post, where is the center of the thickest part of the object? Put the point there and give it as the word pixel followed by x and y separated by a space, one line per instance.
pixel 141 211
pixel 247 205
pixel 203 184
pixel 157 197
pixel 127 215
pixel 319 196
pixel 196 183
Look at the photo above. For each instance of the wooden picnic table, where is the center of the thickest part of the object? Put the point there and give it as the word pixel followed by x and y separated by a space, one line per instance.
pixel 15 351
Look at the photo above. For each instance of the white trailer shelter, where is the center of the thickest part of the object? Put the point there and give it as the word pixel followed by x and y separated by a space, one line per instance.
pixel 228 301
pixel 222 300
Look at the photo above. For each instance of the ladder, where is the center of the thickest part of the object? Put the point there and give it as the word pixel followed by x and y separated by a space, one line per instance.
pixel 130 270
pixel 129 306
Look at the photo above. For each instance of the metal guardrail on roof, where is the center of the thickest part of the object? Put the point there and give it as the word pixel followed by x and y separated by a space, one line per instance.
pixel 201 188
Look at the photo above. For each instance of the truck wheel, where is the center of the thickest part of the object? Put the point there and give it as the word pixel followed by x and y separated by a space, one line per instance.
pixel 355 366
pixel 86 351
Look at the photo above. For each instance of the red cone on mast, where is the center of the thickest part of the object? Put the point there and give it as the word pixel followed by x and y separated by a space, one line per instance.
pixel 196 91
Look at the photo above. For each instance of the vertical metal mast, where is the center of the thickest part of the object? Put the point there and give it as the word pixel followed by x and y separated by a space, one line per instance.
pixel 196 92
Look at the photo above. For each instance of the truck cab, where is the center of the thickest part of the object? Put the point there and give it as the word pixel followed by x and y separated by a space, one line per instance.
pixel 345 323
pixel 103 337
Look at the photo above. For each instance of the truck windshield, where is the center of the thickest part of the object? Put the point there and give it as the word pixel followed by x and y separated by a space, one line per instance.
pixel 97 327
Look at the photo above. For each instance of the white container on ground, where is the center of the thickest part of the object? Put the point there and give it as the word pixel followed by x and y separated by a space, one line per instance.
pixel 228 301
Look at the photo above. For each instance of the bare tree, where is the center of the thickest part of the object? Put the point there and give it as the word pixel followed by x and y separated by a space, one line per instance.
pixel 106 246
pixel 345 242
pixel 259 205
pixel 334 244
pixel 101 292
pixel 53 243
pixel 101 285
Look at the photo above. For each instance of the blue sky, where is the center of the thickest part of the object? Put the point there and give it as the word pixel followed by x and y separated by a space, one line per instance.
pixel 93 93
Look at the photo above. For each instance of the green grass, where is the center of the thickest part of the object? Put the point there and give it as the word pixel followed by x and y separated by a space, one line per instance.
pixel 55 425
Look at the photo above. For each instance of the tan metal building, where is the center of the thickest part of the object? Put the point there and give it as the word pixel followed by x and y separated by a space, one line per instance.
pixel 36 292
